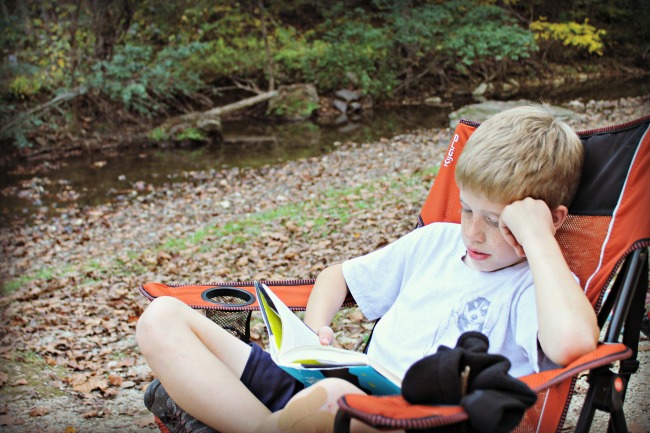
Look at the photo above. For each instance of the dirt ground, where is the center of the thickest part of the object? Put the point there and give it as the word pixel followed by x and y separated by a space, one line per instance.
pixel 35 411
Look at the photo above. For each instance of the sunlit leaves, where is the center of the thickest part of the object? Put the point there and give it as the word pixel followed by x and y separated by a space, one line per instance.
pixel 570 34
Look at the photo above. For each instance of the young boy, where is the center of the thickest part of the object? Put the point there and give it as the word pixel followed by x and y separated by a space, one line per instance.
pixel 500 272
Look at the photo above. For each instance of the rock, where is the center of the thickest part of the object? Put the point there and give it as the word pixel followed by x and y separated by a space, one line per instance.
pixel 482 89
pixel 482 111
pixel 347 95
pixel 509 87
pixel 340 105
pixel 355 106
pixel 294 102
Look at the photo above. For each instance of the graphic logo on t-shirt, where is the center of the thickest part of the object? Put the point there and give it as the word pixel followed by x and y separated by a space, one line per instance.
pixel 472 316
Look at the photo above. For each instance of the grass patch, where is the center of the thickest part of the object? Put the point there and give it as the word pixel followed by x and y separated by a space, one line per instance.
pixel 31 367
pixel 333 205
pixel 10 286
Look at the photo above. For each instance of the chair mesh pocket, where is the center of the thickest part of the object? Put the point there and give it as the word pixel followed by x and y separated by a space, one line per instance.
pixel 235 322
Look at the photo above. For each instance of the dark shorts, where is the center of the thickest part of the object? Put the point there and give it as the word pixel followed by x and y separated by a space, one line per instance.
pixel 269 383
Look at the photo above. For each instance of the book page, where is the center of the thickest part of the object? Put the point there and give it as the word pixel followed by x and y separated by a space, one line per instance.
pixel 289 331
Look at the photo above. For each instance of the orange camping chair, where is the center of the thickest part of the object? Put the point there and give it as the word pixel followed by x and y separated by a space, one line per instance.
pixel 605 241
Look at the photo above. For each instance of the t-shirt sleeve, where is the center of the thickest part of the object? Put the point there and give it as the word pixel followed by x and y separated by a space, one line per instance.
pixel 375 279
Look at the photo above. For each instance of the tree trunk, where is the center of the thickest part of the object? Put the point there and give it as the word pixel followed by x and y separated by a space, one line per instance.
pixel 269 66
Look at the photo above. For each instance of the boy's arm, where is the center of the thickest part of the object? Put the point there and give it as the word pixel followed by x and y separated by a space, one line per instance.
pixel 326 298
pixel 567 326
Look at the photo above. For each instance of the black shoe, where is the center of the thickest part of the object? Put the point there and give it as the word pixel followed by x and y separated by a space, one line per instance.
pixel 169 413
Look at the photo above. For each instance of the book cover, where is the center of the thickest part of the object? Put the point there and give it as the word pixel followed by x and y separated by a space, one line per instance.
pixel 297 350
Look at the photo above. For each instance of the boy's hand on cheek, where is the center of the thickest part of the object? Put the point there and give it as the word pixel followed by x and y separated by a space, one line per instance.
pixel 522 219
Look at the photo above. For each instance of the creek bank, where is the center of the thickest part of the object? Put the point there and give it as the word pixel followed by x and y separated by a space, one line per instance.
pixel 122 130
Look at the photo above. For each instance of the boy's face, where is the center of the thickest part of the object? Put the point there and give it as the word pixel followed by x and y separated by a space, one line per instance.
pixel 487 249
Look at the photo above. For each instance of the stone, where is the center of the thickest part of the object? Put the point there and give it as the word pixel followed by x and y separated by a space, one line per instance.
pixel 295 102
pixel 340 105
pixel 347 95
pixel 482 111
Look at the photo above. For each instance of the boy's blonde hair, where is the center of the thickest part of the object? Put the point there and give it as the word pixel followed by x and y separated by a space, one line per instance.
pixel 522 152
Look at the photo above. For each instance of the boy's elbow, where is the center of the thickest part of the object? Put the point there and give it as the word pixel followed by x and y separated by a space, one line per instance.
pixel 571 349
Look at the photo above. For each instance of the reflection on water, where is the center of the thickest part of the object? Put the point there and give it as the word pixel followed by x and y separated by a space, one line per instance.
pixel 94 179
pixel 46 188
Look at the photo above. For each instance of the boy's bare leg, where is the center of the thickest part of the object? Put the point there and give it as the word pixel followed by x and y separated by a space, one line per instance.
pixel 312 410
pixel 200 365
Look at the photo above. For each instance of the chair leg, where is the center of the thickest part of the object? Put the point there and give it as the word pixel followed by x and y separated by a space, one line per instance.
pixel 342 422
pixel 587 413
pixel 606 390
pixel 617 422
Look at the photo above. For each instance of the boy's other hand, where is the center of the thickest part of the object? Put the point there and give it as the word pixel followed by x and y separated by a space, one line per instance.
pixel 524 218
pixel 326 335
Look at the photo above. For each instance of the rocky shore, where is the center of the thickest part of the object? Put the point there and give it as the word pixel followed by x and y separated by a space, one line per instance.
pixel 70 296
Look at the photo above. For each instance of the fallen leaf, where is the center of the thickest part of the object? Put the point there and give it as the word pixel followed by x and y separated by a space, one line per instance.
pixel 9 420
pixel 115 379
pixel 19 382
pixel 91 384
pixel 39 411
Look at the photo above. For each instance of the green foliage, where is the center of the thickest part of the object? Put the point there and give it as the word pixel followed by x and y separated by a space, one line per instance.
pixel 25 85
pixel 351 52
pixel 153 55
pixel 370 51
pixel 492 36
pixel 241 57
pixel 143 80
pixel 570 34
pixel 191 134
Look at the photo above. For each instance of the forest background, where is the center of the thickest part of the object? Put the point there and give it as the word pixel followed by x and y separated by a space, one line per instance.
pixel 73 70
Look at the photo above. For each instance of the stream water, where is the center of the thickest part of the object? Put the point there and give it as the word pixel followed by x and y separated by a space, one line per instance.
pixel 28 192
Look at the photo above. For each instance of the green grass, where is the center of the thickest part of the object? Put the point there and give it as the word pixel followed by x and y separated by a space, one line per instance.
pixel 10 286
pixel 319 212
pixel 31 366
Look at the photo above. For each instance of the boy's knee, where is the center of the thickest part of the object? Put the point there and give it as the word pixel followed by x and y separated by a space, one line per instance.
pixel 156 316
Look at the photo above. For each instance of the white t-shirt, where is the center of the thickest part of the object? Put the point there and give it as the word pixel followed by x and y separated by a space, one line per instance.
pixel 426 297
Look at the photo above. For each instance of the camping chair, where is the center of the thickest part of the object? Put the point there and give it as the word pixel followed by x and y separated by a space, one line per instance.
pixel 605 241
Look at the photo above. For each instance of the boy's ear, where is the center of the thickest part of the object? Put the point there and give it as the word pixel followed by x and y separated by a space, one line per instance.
pixel 559 214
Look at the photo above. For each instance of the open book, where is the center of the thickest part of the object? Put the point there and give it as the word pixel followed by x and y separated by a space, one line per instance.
pixel 297 350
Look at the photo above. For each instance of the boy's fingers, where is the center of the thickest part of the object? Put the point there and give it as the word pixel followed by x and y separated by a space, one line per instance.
pixel 512 240
pixel 326 335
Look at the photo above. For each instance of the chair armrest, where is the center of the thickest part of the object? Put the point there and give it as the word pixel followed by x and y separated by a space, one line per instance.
pixel 393 412
pixel 294 293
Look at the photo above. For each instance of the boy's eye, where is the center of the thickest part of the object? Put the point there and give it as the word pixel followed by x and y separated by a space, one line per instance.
pixel 492 222
pixel 465 210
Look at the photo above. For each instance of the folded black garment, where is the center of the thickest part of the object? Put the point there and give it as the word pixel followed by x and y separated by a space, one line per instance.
pixel 467 375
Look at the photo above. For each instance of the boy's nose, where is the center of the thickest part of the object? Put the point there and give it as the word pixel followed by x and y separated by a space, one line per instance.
pixel 476 230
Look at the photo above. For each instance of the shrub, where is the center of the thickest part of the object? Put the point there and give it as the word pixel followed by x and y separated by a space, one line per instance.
pixel 570 34
pixel 487 40
pixel 143 80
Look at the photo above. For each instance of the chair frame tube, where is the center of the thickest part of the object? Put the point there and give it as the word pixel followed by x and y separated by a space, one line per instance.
pixel 603 393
